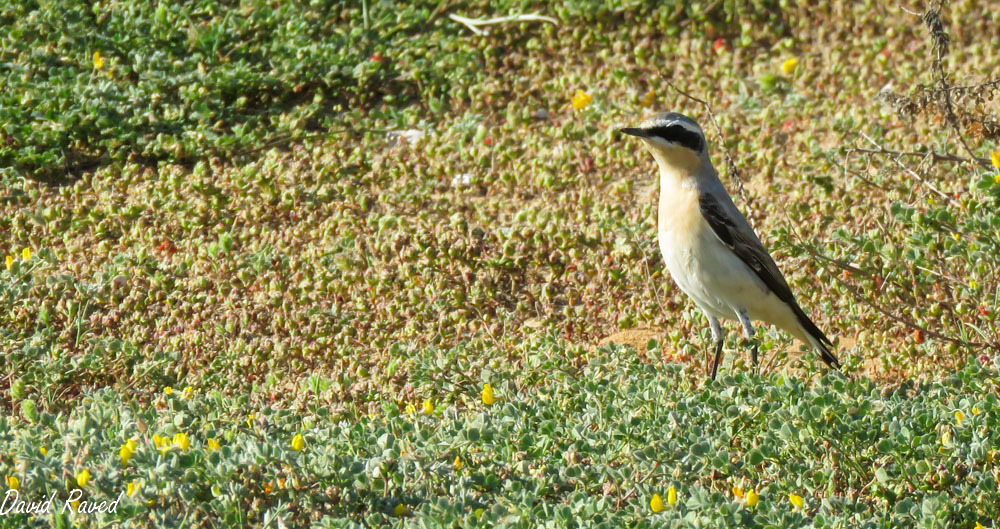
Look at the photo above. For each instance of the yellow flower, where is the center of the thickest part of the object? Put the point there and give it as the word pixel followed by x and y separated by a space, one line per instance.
pixel 738 492
pixel 428 406
pixel 213 445
pixel 132 444
pixel 975 410
pixel 979 526
pixel 44 451
pixel 168 390
pixel 479 512
pixel 131 488
pixel 188 392
pixel 399 510
pixel 181 440
pixel 671 496
pixel 581 100
pixel 157 440
pixel 656 503
pixel 995 159
pixel 959 416
pixel 298 443
pixel 648 99
pixel 996 179
pixel 125 453
pixel 411 409
pixel 488 395
pixel 752 498
pixel 973 284
pixel 789 65
pixel 98 60
pixel 76 505
pixel 9 261
pixel 26 254
pixel 281 482
pixel 83 477
pixel 250 417
pixel 458 463
pixel 796 500
pixel 13 482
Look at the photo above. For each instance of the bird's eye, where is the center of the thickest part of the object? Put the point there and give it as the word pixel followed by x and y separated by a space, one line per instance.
pixel 679 135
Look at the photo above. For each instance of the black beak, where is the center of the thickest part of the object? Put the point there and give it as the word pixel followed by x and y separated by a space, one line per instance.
pixel 635 132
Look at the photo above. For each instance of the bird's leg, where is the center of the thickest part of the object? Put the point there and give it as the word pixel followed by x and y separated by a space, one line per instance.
pixel 718 339
pixel 748 330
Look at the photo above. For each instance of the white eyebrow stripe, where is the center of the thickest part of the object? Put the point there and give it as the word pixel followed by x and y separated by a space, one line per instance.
pixel 690 127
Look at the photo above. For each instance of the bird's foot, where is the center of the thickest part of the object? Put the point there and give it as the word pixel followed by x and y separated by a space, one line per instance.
pixel 754 346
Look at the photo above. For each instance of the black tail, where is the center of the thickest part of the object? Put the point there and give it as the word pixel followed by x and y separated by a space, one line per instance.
pixel 819 340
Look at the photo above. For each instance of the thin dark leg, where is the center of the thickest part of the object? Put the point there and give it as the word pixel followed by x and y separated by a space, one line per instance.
pixel 751 337
pixel 717 336
pixel 718 357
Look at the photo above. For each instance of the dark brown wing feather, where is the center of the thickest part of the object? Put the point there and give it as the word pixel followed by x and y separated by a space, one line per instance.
pixel 752 252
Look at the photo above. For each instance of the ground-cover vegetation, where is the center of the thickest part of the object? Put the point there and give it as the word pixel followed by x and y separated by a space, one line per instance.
pixel 281 247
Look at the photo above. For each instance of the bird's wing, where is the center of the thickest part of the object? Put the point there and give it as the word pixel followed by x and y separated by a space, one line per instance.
pixel 736 234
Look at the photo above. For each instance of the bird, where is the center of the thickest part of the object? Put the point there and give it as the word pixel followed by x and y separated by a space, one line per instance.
pixel 709 248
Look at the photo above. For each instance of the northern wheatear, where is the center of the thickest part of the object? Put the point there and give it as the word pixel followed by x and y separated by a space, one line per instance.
pixel 708 246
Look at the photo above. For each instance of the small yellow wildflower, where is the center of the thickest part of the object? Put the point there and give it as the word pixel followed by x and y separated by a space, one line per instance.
pixel 959 416
pixel 973 284
pixel 479 512
pixel 250 418
pixel 98 60
pixel 182 441
pixel 411 409
pixel 752 498
pixel 671 496
pixel 979 526
pixel 76 505
pixel 131 489
pixel 656 503
pixel 83 477
pixel 13 482
pixel 648 99
pixel 132 444
pixel 26 254
pixel 738 493
pixel 796 500
pixel 281 483
pixel 975 410
pixel 125 454
pixel 9 261
pixel 995 159
pixel 168 390
pixel 488 398
pixel 428 406
pixel 213 445
pixel 399 510
pixel 44 451
pixel 581 100
pixel 188 392
pixel 298 443
pixel 457 463
pixel 996 179
pixel 789 65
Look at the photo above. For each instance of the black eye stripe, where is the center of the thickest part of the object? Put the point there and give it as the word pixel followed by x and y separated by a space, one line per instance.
pixel 679 135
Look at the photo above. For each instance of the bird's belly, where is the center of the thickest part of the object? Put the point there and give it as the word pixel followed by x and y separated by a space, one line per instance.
pixel 708 272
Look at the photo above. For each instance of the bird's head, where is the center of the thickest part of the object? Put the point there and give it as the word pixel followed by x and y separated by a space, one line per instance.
pixel 675 140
